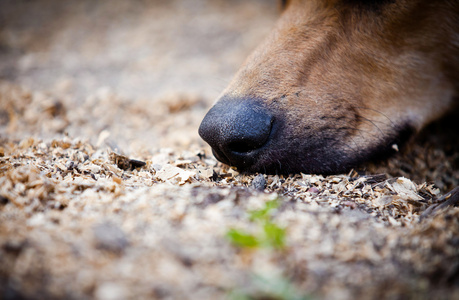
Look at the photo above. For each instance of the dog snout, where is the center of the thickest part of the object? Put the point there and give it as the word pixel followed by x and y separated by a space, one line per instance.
pixel 236 129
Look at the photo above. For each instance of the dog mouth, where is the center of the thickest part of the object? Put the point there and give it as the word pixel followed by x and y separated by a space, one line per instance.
pixel 244 133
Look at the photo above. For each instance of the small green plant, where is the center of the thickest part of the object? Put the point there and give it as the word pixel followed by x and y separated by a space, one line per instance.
pixel 270 234
pixel 242 239
pixel 264 214
pixel 275 235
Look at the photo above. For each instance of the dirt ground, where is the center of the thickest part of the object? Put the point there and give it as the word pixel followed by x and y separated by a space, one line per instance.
pixel 107 191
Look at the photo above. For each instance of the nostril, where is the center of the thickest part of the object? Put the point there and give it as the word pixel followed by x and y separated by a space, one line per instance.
pixel 250 139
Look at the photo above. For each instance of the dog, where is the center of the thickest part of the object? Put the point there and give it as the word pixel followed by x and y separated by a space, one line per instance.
pixel 338 83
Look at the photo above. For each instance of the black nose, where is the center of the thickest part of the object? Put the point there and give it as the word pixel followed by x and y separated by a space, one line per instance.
pixel 236 129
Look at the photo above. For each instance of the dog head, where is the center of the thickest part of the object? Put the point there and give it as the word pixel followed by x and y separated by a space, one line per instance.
pixel 337 83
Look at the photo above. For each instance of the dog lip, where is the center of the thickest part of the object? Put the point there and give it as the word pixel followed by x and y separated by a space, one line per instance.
pixel 240 160
pixel 220 156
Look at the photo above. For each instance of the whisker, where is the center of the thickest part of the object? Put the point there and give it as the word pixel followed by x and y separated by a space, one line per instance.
pixel 377 111
pixel 373 123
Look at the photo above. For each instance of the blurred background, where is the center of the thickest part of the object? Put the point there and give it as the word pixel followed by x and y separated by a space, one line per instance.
pixel 135 75
pixel 137 48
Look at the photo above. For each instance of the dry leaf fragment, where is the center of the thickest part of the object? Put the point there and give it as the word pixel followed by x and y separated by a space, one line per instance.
pixel 384 201
pixel 406 189
pixel 169 172
pixel 136 163
pixel 124 162
pixel 206 173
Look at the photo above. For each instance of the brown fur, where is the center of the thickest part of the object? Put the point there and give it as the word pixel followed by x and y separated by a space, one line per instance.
pixel 346 80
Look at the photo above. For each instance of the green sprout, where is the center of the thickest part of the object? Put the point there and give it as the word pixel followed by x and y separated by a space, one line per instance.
pixel 242 239
pixel 264 214
pixel 270 234
pixel 275 235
